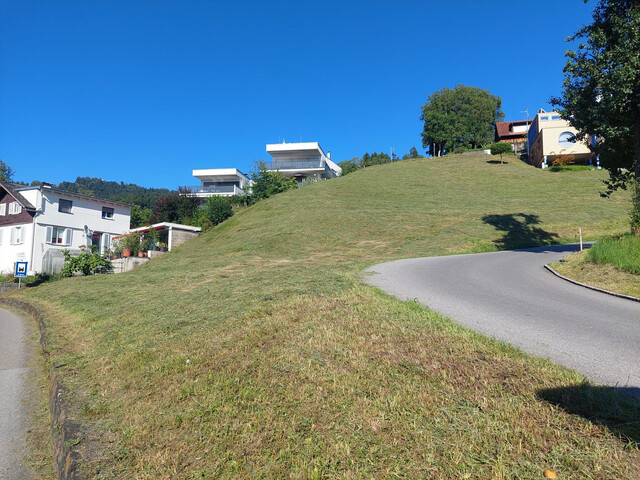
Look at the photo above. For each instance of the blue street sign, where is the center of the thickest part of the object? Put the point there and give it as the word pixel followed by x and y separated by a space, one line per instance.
pixel 21 269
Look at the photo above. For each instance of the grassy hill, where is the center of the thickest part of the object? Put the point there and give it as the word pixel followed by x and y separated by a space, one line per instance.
pixel 255 350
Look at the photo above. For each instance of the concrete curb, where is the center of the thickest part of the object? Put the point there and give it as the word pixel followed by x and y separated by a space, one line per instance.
pixel 64 432
pixel 591 287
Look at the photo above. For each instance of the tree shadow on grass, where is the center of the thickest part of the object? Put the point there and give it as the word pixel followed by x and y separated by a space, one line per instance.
pixel 497 161
pixel 616 408
pixel 520 231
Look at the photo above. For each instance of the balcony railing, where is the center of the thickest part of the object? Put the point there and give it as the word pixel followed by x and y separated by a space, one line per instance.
pixel 213 190
pixel 297 164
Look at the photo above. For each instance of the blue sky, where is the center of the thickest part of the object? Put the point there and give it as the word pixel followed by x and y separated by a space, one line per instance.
pixel 145 91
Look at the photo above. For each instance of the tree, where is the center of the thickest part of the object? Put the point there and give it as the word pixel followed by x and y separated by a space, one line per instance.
pixel 268 183
pixel 374 159
pixel 6 172
pixel 462 117
pixel 217 210
pixel 500 148
pixel 140 216
pixel 413 153
pixel 349 166
pixel 601 93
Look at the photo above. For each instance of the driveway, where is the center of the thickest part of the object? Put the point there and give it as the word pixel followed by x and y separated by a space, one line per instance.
pixel 512 297
pixel 13 392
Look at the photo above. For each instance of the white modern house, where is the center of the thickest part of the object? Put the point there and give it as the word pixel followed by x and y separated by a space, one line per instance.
pixel 301 160
pixel 38 222
pixel 219 181
pixel 293 160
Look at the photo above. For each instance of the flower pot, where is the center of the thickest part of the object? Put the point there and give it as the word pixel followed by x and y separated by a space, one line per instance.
pixel 126 252
pixel 141 254
pixel 163 249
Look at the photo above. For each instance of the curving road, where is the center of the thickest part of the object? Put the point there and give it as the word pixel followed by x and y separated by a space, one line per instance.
pixel 13 391
pixel 512 297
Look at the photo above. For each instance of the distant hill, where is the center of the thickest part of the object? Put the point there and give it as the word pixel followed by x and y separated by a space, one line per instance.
pixel 119 192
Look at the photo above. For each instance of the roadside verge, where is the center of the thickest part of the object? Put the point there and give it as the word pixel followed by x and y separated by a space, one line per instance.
pixel 64 432
pixel 591 287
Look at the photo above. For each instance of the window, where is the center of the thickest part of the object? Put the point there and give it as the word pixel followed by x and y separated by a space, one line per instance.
pixel 58 236
pixel 545 118
pixel 64 206
pixel 555 117
pixel 3 209
pixel 1 232
pixel 17 235
pixel 566 139
pixel 15 208
pixel 107 212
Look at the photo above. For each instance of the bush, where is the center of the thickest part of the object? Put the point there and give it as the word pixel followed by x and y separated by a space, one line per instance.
pixel 216 210
pixel 269 183
pixel 87 263
pixel 501 148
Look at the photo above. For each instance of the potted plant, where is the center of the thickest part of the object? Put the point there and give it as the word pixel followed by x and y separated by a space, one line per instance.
pixel 131 244
pixel 162 246
pixel 151 239
pixel 116 247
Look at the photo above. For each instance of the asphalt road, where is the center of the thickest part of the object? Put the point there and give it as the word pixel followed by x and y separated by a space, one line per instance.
pixel 512 297
pixel 13 392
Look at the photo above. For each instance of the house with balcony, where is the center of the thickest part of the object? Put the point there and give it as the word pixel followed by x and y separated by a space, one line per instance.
pixel 301 160
pixel 551 138
pixel 38 222
pixel 225 182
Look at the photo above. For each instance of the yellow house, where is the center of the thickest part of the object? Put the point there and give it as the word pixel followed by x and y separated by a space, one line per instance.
pixel 551 139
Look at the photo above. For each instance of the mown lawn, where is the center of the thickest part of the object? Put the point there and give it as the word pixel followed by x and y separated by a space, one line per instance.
pixel 255 350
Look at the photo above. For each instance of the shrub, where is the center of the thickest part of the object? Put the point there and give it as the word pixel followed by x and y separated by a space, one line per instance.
pixel 87 263
pixel 216 210
pixel 501 148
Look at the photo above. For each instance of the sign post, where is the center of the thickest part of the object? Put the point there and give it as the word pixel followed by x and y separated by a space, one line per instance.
pixel 21 271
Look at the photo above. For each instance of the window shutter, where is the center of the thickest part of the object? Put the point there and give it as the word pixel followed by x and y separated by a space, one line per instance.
pixel 67 236
pixel 12 240
pixel 3 209
pixel 20 235
pixel 48 235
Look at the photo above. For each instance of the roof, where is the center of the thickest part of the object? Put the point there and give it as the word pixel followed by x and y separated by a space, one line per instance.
pixel 12 190
pixel 166 226
pixel 46 188
pixel 504 129
pixel 295 147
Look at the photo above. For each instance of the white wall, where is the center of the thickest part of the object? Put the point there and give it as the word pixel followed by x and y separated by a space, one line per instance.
pixel 9 254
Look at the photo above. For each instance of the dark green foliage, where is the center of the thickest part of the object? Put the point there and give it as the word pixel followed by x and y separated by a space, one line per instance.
pixel 349 166
pixel 601 90
pixel 501 148
pixel 217 209
pixel 140 216
pixel 175 208
pixel 269 183
pixel 86 263
pixel 462 117
pixel 413 153
pixel 6 172
pixel 118 192
pixel 374 159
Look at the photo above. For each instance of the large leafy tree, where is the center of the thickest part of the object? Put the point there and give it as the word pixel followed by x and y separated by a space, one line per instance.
pixel 601 93
pixel 462 117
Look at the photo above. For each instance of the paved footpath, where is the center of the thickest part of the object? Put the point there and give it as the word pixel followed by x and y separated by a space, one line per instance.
pixel 13 386
pixel 511 297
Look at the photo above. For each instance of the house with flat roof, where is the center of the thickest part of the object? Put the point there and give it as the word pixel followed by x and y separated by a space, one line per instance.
pixel 293 160
pixel 38 222
pixel 301 160
pixel 551 138
pixel 225 182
